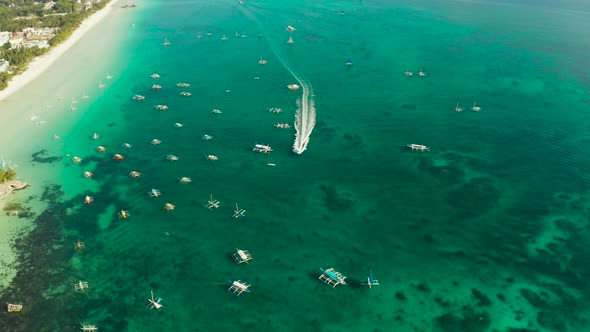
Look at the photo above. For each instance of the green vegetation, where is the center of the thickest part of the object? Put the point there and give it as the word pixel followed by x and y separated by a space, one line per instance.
pixel 7 175
pixel 66 15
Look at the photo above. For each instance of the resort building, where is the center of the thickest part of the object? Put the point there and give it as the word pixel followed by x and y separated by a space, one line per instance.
pixel 4 37
pixel 3 65
pixel 34 33
pixel 16 40
pixel 49 5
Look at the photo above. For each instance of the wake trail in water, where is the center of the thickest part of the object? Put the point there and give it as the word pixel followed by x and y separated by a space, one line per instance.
pixel 305 116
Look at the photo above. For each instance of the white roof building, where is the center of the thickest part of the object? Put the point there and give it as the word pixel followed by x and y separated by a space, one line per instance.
pixel 4 37
pixel 3 65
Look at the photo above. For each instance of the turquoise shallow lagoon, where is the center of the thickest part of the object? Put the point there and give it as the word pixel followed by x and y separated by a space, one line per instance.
pixel 488 231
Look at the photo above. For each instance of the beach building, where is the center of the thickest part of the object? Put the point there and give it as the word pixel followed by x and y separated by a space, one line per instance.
pixel 39 33
pixel 49 5
pixel 36 43
pixel 4 37
pixel 16 40
pixel 3 65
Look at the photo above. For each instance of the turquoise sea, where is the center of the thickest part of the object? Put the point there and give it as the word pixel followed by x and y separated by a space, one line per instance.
pixel 487 231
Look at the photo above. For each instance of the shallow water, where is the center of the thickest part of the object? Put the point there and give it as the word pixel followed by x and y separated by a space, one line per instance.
pixel 486 232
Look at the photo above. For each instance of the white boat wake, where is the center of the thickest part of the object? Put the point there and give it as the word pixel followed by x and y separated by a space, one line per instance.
pixel 305 114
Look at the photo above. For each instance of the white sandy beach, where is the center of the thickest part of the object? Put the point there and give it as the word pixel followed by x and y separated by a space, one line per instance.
pixel 40 64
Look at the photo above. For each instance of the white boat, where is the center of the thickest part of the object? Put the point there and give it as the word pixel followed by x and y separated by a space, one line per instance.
pixel 109 76
pixel 212 157
pixel 418 147
pixel 154 76
pixel 275 110
pixel 262 148
pixel 421 73
pixel 156 87
pixel 290 28
pixel 178 125
pixel 95 136
pixel 224 37
pixel 101 85
pixel 216 111
pixel 283 125
pixel 457 108
pixel 408 73
pixel 290 40
pixel 207 137
pixel 261 61
pixel 293 87
pixel 186 94
pixel 475 108
pixel 138 97
pixel 166 42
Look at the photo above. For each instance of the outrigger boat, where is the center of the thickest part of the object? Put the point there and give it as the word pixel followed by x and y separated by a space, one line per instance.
pixel 79 245
pixel 138 97
pixel 185 179
pixel 171 157
pixel 88 174
pixel 418 147
pixel 123 214
pixel 238 287
pixel 126 145
pixel 421 73
pixel 207 137
pixel 212 157
pixel 89 328
pixel 457 108
pixel 154 302
pixel 408 73
pixel 262 148
pixel 162 107
pixel 275 110
pixel 156 141
pixel 239 213
pixel 183 85
pixel 88 200
pixel 154 193
pixel 223 37
pixel 186 94
pixel 134 174
pixel 166 42
pixel 81 285
pixel 118 157
pixel 293 87
pixel 169 206
pixel 101 149
pixel 332 277
pixel 76 160
pixel 283 125
pixel 261 61
pixel 95 136
pixel 154 76
pixel 370 281
pixel 178 125
pixel 290 28
pixel 212 203
pixel 242 256
pixel 156 87
pixel 216 111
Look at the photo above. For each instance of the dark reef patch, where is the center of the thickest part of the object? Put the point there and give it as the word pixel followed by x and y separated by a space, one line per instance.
pixel 38 157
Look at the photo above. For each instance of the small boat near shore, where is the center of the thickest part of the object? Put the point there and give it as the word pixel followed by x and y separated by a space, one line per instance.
pixel 290 28
pixel 283 125
pixel 275 110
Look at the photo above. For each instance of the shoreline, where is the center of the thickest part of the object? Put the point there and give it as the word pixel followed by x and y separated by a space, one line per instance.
pixel 42 63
